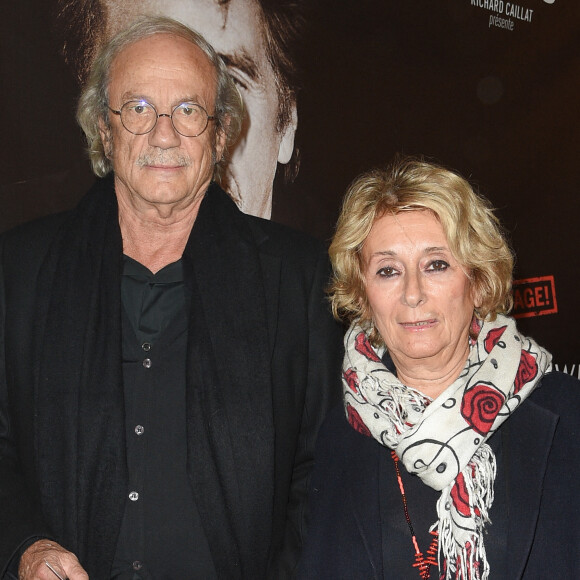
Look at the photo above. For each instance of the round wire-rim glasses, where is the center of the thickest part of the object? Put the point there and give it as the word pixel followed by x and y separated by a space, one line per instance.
pixel 140 117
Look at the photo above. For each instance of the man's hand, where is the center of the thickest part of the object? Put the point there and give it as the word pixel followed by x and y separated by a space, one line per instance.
pixel 33 563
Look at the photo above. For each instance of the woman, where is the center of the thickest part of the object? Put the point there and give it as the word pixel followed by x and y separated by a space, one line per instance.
pixel 459 455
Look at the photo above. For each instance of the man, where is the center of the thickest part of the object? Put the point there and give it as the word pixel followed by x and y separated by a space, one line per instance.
pixel 166 360
pixel 256 40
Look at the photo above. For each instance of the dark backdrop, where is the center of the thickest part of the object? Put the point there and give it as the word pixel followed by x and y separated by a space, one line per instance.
pixel 379 76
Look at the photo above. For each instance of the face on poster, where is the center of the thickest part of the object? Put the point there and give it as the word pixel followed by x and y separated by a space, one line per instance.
pixel 236 29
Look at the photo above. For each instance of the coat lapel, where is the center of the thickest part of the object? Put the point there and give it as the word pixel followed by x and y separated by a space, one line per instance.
pixel 235 389
pixel 528 438
pixel 270 268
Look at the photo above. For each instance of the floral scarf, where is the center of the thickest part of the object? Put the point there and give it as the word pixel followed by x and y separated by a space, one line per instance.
pixel 443 441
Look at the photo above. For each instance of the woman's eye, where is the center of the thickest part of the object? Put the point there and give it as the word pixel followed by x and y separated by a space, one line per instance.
pixel 386 272
pixel 438 266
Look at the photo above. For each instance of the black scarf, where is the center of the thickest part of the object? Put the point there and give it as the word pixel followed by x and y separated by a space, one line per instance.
pixel 80 433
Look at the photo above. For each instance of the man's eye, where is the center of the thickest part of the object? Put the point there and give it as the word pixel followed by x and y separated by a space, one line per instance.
pixel 237 80
pixel 188 110
pixel 140 109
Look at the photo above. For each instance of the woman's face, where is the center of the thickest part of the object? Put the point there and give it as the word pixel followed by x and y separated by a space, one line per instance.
pixel 420 297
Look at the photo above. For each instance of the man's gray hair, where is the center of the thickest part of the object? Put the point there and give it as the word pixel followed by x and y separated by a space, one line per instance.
pixel 94 99
pixel 81 26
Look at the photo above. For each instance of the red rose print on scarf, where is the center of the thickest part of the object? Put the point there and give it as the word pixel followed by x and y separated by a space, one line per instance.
pixel 351 379
pixel 493 337
pixel 480 406
pixel 527 370
pixel 362 345
pixel 460 496
pixel 356 422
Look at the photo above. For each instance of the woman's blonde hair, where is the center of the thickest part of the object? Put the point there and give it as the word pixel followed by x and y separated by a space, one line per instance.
pixel 473 232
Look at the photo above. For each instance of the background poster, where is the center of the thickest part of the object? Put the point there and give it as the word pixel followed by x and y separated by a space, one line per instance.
pixel 487 87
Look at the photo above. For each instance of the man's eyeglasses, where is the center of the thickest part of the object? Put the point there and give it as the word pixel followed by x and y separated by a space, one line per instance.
pixel 140 117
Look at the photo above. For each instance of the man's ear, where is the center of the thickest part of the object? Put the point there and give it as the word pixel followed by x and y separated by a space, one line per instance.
pixel 106 138
pixel 288 133
pixel 221 138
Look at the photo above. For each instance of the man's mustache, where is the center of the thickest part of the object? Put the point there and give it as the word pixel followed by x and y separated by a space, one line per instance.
pixel 163 158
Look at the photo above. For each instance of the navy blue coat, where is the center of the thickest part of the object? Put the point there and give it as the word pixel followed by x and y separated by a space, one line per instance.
pixel 541 525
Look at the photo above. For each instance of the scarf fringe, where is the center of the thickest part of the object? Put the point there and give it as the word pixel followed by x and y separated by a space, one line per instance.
pixel 403 407
pixel 466 563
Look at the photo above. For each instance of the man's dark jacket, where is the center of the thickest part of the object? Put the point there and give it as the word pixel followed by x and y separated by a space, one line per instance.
pixel 262 370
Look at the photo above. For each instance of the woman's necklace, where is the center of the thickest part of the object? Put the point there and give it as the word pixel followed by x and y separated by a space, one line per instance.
pixel 421 563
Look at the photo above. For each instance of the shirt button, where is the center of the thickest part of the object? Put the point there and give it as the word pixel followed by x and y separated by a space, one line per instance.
pixel 146 346
pixel 147 363
pixel 133 496
pixel 137 565
pixel 139 429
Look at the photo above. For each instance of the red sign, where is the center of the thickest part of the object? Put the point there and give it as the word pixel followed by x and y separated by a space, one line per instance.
pixel 534 297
